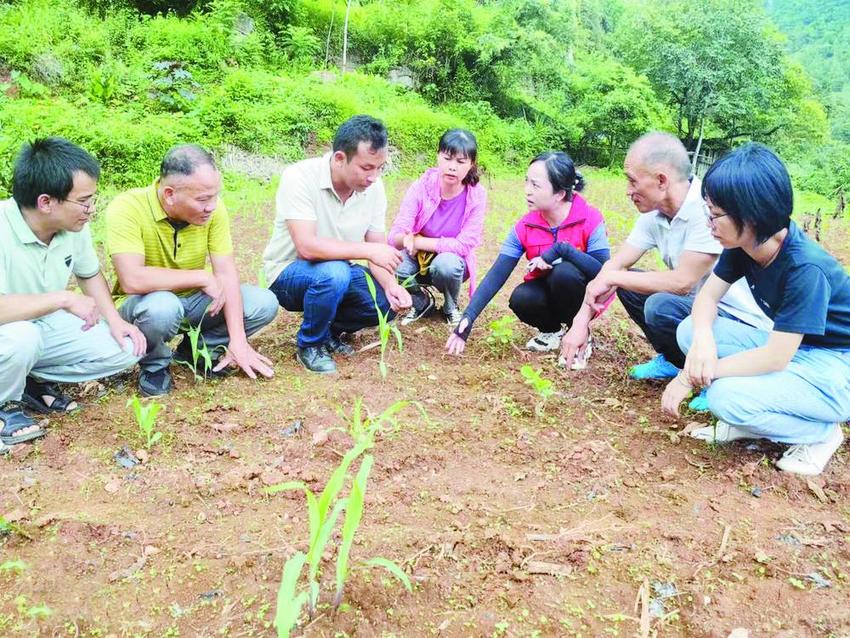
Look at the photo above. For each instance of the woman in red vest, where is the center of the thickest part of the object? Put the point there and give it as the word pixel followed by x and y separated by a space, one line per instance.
pixel 565 242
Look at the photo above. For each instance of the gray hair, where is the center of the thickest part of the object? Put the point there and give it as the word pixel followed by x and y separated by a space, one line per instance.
pixel 185 159
pixel 658 150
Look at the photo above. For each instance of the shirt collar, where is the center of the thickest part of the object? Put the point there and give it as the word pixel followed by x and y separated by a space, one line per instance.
pixel 325 181
pixel 693 201
pixel 157 210
pixel 19 225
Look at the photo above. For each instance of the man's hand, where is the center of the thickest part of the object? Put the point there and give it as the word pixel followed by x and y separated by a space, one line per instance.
pixel 385 256
pixel 121 330
pixel 215 291
pixel 245 357
pixel 83 307
pixel 455 343
pixel 701 362
pixel 538 263
pixel 408 243
pixel 399 297
pixel 598 292
pixel 573 341
pixel 675 392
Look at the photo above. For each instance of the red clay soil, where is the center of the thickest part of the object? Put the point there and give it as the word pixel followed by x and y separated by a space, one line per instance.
pixel 591 518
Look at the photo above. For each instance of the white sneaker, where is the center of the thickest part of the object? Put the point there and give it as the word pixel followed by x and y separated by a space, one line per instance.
pixel 581 358
pixel 415 315
pixel 721 433
pixel 545 341
pixel 811 459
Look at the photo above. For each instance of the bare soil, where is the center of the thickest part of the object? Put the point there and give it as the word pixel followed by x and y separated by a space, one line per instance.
pixel 626 519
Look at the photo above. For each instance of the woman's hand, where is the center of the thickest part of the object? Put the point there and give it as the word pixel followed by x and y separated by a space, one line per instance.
pixel 676 391
pixel 455 343
pixel 538 263
pixel 701 362
pixel 408 243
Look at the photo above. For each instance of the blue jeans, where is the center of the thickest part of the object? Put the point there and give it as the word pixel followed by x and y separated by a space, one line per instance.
pixel 797 405
pixel 333 295
pixel 159 315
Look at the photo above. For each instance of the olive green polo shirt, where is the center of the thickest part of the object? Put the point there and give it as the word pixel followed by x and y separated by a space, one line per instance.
pixel 136 223
pixel 306 193
pixel 28 266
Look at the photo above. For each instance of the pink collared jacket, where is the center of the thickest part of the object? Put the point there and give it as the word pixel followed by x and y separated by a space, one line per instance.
pixel 421 201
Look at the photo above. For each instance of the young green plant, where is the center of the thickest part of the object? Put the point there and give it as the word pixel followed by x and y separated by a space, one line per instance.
pixel 501 334
pixel 542 386
pixel 385 326
pixel 322 518
pixel 200 352
pixel 146 420
pixel 353 515
pixel 289 600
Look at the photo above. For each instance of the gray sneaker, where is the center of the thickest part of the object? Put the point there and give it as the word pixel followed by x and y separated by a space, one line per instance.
pixel 155 384
pixel 316 359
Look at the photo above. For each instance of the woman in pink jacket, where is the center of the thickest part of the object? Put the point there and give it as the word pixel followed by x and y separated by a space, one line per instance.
pixel 439 226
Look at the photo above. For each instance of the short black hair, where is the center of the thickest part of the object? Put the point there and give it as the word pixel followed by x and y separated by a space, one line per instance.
pixel 752 186
pixel 356 129
pixel 185 159
pixel 459 141
pixel 46 166
pixel 562 172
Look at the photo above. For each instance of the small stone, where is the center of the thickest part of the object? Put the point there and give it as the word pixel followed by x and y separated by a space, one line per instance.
pixel 142 455
pixel 320 437
pixel 112 486
pixel 756 491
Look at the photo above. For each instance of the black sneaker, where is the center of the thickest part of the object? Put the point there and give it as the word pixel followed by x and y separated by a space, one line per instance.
pixel 423 305
pixel 316 359
pixel 335 345
pixel 154 384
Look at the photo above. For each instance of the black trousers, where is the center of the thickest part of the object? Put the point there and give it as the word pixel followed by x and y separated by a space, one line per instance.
pixel 550 301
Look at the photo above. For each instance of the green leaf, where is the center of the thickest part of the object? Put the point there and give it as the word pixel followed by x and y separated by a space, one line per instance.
pixel 283 487
pixel 13 566
pixel 288 604
pixel 392 568
pixel 353 516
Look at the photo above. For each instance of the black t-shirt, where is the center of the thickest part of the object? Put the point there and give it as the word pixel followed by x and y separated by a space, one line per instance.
pixel 804 290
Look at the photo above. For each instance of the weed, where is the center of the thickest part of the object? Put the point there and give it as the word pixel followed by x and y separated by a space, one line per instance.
pixel 501 334
pixel 16 566
pixel 146 420
pixel 385 326
pixel 543 387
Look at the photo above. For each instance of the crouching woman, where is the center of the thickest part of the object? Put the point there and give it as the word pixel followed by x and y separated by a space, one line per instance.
pixel 792 384
pixel 565 242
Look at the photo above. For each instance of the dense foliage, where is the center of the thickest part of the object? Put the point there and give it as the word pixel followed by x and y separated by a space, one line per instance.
pixel 127 80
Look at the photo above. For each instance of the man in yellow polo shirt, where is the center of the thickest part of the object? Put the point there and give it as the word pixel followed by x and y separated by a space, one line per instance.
pixel 159 238
pixel 48 333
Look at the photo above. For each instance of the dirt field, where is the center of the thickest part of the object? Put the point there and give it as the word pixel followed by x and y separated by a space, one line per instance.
pixel 630 520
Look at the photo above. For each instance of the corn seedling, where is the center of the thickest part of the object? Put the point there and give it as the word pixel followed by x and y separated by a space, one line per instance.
pixel 200 352
pixel 353 515
pixel 289 601
pixel 385 326
pixel 543 387
pixel 363 428
pixel 146 420
pixel 322 518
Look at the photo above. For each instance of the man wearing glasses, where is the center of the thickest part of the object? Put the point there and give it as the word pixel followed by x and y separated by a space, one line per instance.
pixel 673 220
pixel 331 210
pixel 159 238
pixel 49 334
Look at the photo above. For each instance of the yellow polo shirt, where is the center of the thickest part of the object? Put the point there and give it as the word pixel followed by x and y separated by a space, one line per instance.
pixel 28 266
pixel 136 223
